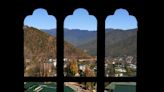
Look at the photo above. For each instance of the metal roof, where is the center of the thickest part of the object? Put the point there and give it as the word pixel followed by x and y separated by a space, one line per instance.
pixel 113 84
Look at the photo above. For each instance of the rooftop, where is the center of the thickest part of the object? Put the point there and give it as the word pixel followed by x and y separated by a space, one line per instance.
pixel 113 84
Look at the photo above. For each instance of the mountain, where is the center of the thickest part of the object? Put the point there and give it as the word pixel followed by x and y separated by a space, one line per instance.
pixel 121 42
pixel 51 32
pixel 118 43
pixel 75 36
pixel 40 46
pixel 124 44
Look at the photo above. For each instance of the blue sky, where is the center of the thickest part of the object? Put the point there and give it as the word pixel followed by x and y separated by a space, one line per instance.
pixel 121 20
pixel 81 20
pixel 41 20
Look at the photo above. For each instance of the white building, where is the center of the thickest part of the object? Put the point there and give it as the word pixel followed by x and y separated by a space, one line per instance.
pixel 119 75
pixel 65 59
pixel 120 59
pixel 82 67
pixel 54 64
pixel 133 66
pixel 65 65
pixel 27 60
pixel 77 75
pixel 113 62
pixel 106 65
pixel 50 60
pixel 129 59
pixel 120 70
pixel 54 60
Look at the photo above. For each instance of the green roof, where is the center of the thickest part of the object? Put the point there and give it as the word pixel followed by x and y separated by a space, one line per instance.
pixel 114 84
pixel 125 88
pixel 68 89
pixel 48 89
pixel 44 87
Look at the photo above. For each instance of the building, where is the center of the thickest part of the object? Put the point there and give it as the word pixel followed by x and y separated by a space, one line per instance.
pixel 82 67
pixel 129 59
pixel 121 87
pixel 27 60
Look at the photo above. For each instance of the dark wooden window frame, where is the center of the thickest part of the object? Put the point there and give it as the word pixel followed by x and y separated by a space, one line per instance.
pixel 61 9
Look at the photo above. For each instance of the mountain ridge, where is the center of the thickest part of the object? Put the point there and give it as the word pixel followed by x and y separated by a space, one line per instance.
pixel 40 46
pixel 87 40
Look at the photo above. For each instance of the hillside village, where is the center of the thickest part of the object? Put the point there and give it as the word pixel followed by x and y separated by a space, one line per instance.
pixel 125 66
pixel 76 67
pixel 80 67
pixel 40 59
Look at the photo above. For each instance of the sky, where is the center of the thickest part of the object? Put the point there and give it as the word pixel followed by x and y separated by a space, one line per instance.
pixel 121 20
pixel 81 20
pixel 40 19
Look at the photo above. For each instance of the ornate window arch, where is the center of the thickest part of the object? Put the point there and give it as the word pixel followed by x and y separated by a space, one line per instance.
pixel 60 10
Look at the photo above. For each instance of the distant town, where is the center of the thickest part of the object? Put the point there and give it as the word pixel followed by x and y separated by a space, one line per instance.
pixel 41 69
pixel 72 68
pixel 80 43
pixel 80 67
pixel 124 66
pixel 40 55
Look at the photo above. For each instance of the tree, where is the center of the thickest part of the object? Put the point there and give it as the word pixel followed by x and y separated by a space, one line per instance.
pixel 89 72
pixel 73 67
pixel 90 85
pixel 33 70
pixel 111 70
pixel 129 71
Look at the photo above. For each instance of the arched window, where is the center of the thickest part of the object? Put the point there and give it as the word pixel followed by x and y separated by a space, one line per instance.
pixel 120 44
pixel 80 44
pixel 81 62
pixel 40 44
